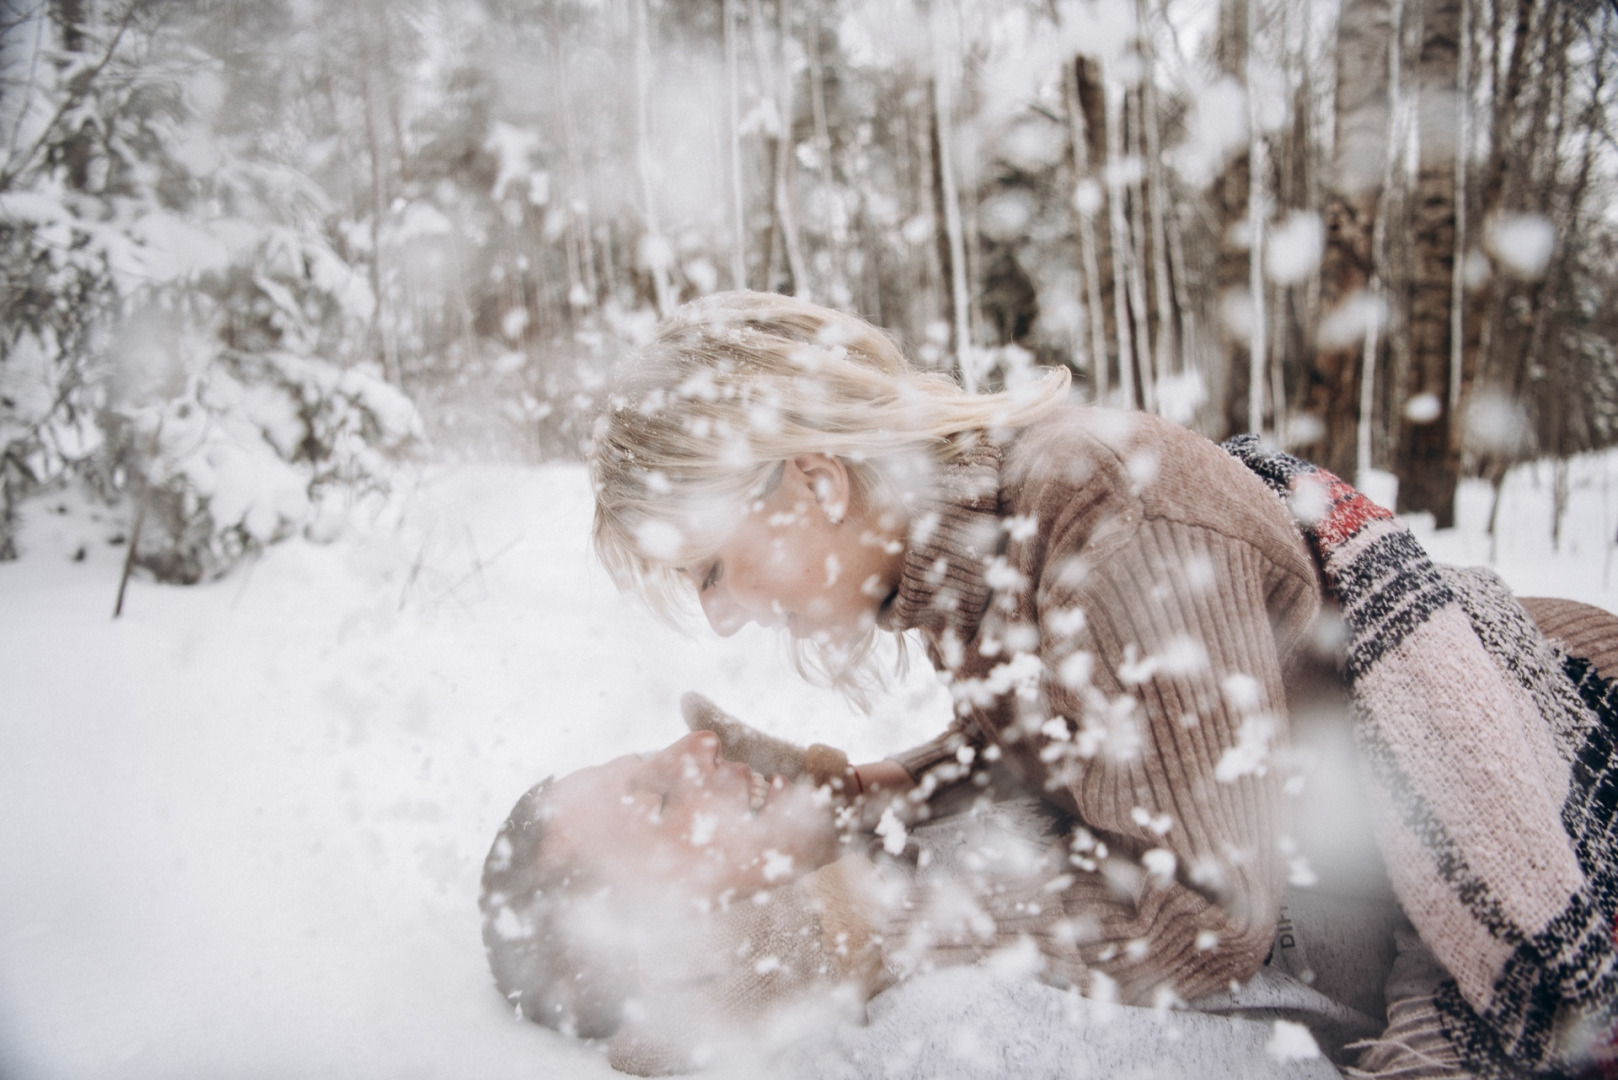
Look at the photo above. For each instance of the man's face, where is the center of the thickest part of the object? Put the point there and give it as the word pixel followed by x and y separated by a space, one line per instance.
pixel 685 817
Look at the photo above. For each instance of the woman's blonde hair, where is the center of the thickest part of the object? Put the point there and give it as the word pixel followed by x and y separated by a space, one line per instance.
pixel 732 385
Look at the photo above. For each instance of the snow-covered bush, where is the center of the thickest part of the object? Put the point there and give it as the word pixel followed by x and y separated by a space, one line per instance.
pixel 180 331
pixel 248 453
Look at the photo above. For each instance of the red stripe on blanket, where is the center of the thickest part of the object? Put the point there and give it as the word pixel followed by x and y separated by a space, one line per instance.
pixel 1347 510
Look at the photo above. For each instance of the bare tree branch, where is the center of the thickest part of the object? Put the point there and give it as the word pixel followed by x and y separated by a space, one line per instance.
pixel 79 88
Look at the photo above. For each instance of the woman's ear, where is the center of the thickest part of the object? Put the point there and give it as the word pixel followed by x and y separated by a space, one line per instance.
pixel 829 480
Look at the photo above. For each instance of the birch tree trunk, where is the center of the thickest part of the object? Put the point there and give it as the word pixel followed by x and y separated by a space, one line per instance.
pixel 943 121
pixel 1511 87
pixel 738 196
pixel 1397 138
pixel 655 248
pixel 1363 117
pixel 584 288
pixel 1258 211
pixel 1166 304
pixel 1428 460
pixel 1085 189
pixel 1228 261
pixel 385 319
pixel 1140 304
pixel 837 285
pixel 786 221
pixel 1463 153
pixel 1120 240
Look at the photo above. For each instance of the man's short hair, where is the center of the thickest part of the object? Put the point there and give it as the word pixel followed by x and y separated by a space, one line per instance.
pixel 554 974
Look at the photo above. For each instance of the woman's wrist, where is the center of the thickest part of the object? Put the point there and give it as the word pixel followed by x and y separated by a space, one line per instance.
pixel 882 777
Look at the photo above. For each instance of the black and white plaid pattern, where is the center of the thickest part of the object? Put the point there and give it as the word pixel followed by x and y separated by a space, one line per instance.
pixel 1546 1008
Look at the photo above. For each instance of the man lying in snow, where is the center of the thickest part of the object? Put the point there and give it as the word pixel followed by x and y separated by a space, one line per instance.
pixel 692 912
pixel 695 914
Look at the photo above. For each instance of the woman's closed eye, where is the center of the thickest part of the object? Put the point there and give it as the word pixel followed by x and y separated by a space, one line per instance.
pixel 711 578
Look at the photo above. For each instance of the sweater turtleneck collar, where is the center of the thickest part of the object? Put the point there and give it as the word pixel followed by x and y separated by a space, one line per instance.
pixel 954 532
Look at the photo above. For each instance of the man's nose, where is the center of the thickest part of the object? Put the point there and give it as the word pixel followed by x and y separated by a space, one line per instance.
pixel 697 750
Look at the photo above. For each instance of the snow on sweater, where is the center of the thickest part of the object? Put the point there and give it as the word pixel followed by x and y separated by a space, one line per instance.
pixel 1115 603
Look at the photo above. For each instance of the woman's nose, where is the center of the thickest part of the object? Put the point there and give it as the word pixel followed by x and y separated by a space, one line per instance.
pixel 724 614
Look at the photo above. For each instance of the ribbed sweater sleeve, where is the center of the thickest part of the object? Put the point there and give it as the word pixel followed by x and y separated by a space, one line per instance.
pixel 1129 666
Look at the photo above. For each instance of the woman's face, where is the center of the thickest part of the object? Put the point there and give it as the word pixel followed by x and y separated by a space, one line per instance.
pixel 805 557
pixel 685 817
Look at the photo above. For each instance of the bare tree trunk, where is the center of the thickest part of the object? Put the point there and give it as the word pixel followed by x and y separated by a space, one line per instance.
pixel 836 231
pixel 1120 242
pixel 1359 165
pixel 580 217
pixel 1428 459
pixel 1558 501
pixel 1312 186
pixel 1155 181
pixel 934 272
pixel 1363 461
pixel 1397 137
pixel 1257 212
pixel 1191 351
pixel 24 99
pixel 576 240
pixel 1463 152
pixel 785 216
pixel 1553 414
pixel 609 268
pixel 1084 183
pixel 583 288
pixel 1135 135
pixel 385 71
pixel 738 229
pixel 384 317
pixel 960 299
pixel 1510 85
pixel 1229 260
pixel 658 252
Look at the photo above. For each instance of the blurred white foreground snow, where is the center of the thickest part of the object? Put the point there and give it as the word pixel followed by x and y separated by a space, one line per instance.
pixel 243 824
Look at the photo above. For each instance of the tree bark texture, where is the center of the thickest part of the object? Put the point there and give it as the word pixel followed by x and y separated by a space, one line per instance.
pixel 1330 382
pixel 1428 460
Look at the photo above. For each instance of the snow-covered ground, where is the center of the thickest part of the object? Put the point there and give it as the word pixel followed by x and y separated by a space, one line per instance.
pixel 241 826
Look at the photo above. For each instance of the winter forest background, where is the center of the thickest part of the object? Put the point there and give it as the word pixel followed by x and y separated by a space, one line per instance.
pixel 349 275
pixel 254 249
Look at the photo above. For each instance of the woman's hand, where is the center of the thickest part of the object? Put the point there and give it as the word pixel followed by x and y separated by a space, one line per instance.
pixel 766 754
pixel 860 792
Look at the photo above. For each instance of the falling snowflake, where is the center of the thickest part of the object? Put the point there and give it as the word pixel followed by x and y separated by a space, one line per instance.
pixel 1291 1042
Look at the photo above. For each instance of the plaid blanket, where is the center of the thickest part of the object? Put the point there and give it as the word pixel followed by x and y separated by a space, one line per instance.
pixel 1493 756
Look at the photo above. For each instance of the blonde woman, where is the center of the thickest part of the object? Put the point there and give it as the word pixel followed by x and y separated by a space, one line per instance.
pixel 1113 601
pixel 1126 617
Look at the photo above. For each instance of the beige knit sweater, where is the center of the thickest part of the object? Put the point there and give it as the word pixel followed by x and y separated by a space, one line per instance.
pixel 1123 613
pixel 1117 604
